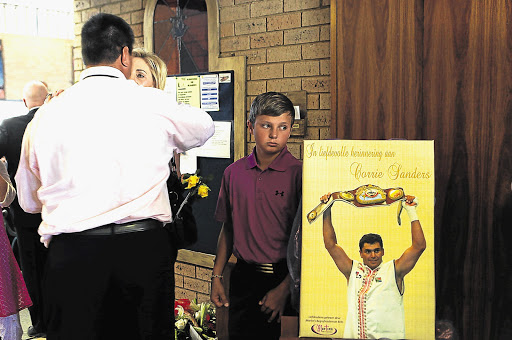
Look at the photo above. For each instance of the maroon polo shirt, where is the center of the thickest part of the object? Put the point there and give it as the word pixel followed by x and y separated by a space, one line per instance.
pixel 261 204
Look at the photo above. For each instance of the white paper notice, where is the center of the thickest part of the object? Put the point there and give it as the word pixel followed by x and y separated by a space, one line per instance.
pixel 210 92
pixel 219 146
pixel 170 86
pixel 188 162
pixel 225 78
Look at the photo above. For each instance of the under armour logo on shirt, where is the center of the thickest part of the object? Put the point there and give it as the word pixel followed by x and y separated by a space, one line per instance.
pixel 279 193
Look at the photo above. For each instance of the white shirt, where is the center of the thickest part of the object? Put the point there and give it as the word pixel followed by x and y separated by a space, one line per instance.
pixel 375 305
pixel 99 153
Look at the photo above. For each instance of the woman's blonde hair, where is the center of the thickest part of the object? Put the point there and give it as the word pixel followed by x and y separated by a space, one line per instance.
pixel 157 66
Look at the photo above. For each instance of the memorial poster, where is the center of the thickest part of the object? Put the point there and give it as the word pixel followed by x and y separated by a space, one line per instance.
pixel 367 180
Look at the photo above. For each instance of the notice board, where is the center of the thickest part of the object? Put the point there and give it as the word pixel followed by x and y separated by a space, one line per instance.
pixel 213 92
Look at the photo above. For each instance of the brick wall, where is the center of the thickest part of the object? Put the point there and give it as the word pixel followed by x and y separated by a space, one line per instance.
pixel 286 43
pixel 192 281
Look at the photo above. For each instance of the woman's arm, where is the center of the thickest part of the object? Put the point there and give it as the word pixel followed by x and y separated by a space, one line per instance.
pixel 7 191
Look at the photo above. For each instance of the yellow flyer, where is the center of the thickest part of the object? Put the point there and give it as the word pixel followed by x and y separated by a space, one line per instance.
pixel 354 188
pixel 188 91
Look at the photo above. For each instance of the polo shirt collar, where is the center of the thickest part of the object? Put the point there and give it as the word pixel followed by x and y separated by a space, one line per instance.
pixel 107 71
pixel 278 164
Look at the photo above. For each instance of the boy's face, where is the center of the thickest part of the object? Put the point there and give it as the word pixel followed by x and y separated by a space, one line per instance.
pixel 271 133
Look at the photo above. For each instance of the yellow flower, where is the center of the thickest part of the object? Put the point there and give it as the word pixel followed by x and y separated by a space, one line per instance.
pixel 192 181
pixel 203 190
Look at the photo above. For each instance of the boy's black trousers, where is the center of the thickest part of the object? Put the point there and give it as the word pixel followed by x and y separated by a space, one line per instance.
pixel 248 285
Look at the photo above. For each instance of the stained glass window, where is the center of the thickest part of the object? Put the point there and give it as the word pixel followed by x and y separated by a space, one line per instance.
pixel 180 33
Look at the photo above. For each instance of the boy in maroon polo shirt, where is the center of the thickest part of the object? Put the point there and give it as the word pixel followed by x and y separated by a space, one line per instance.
pixel 257 203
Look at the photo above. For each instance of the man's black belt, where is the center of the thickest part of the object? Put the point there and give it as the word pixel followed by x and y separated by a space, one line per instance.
pixel 123 228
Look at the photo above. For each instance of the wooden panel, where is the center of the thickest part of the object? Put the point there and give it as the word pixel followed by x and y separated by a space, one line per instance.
pixel 467 102
pixel 441 70
pixel 376 69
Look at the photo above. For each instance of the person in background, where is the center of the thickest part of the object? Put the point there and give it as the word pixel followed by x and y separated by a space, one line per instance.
pixel 32 253
pixel 375 289
pixel 13 292
pixel 95 160
pixel 257 203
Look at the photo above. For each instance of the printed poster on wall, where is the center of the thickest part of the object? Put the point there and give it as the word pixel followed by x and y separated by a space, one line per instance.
pixel 187 90
pixel 210 92
pixel 367 181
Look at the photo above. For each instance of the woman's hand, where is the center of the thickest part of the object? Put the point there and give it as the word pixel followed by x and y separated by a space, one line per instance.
pixel 50 96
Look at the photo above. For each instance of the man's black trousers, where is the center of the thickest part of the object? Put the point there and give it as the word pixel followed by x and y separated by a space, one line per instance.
pixel 110 287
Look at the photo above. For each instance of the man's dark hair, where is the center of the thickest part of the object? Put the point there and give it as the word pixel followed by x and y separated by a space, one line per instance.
pixel 370 239
pixel 271 104
pixel 103 38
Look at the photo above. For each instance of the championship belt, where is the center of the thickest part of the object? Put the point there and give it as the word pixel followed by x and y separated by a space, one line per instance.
pixel 362 197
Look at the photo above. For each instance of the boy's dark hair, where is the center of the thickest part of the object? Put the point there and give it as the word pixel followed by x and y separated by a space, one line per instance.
pixel 370 239
pixel 103 38
pixel 271 104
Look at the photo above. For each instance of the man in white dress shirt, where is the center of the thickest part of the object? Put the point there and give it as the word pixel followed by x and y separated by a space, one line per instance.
pixel 375 289
pixel 95 161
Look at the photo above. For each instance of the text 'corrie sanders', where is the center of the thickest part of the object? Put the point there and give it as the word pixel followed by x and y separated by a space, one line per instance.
pixel 394 171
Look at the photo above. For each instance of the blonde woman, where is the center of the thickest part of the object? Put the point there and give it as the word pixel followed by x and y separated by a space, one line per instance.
pixel 148 69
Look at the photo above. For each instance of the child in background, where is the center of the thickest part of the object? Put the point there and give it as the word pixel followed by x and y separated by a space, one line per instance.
pixel 257 203
pixel 13 293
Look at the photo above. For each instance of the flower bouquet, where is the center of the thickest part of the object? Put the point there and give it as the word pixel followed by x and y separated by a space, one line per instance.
pixel 196 187
pixel 194 321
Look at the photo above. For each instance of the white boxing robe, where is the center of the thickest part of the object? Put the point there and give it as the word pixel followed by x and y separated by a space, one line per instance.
pixel 375 305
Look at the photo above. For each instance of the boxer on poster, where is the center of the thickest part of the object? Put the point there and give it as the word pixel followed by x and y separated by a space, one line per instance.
pixel 375 289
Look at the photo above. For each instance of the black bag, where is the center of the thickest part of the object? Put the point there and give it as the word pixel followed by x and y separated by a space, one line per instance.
pixel 183 229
